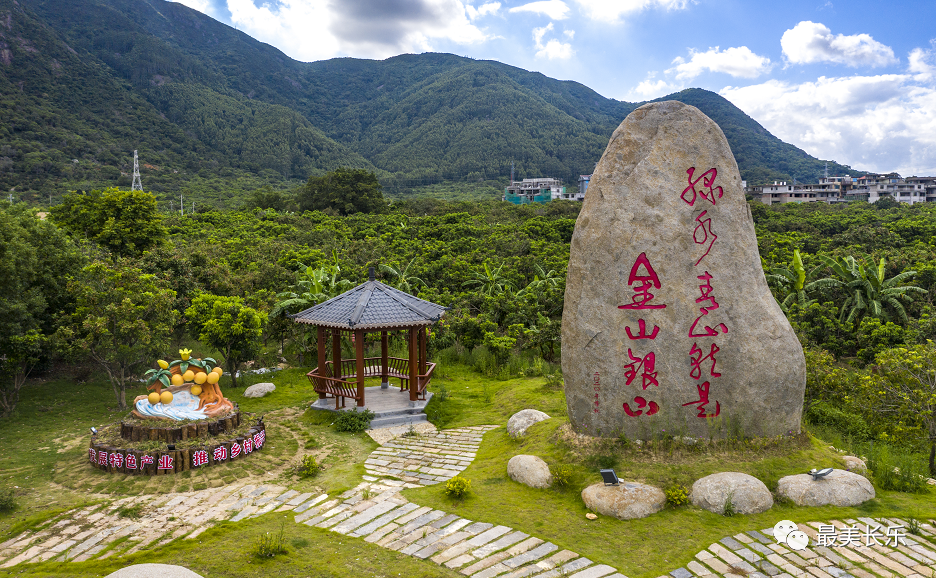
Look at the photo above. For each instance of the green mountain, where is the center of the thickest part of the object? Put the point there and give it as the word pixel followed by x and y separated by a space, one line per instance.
pixel 85 82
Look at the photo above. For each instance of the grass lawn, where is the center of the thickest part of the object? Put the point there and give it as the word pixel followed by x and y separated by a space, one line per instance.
pixel 44 449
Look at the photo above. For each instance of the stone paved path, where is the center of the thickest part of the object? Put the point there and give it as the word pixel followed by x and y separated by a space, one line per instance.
pixel 376 512
pixel 757 555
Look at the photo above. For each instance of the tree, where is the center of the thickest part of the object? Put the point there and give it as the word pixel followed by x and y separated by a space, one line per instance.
pixel 36 259
pixel 125 222
pixel 344 191
pixel 489 281
pixel 228 325
pixel 794 283
pixel 870 293
pixel 402 277
pixel 123 319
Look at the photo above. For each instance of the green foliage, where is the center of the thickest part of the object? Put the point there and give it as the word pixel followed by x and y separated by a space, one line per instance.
pixel 7 500
pixel 562 475
pixel 124 222
pixel 677 495
pixel 269 545
pixel 848 424
pixel 354 421
pixel 123 319
pixel 457 487
pixel 308 467
pixel 344 192
pixel 134 512
pixel 896 469
pixel 728 509
pixel 228 325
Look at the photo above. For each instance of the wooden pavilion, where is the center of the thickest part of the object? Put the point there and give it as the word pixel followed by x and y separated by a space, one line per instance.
pixel 370 308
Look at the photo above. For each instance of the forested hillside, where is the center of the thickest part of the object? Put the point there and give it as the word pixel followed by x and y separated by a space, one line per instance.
pixel 214 112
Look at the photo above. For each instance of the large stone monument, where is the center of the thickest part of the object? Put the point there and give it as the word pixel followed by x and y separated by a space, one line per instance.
pixel 668 323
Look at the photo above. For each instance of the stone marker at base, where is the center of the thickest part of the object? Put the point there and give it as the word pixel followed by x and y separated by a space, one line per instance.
pixel 668 323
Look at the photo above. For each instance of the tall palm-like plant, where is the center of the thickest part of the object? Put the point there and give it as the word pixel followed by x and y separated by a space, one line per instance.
pixel 869 292
pixel 795 283
pixel 403 280
pixel 489 281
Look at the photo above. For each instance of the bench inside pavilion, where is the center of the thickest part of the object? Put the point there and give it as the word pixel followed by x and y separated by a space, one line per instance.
pixel 371 307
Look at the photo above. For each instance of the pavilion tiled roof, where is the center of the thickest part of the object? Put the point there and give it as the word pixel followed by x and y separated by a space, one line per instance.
pixel 372 305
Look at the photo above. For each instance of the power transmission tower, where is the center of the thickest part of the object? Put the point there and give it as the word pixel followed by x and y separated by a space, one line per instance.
pixel 136 186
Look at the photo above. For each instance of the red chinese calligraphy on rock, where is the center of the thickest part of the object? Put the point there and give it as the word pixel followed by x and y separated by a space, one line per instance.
pixel 131 462
pixel 708 191
pixel 165 463
pixel 645 282
pixel 702 233
pixel 703 399
pixel 199 458
pixel 642 404
pixel 642 332
pixel 647 365
pixel 697 358
pixel 706 291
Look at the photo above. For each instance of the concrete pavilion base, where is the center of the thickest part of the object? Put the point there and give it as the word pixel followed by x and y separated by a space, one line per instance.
pixel 391 406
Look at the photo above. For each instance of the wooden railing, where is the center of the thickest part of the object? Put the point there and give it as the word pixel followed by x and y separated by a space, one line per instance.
pixel 346 386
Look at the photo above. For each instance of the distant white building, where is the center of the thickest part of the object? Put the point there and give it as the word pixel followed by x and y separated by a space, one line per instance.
pixel 831 190
pixel 909 190
pixel 541 190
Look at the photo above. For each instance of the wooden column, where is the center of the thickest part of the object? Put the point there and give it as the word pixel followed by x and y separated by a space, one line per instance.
pixel 412 354
pixel 336 354
pixel 423 350
pixel 321 350
pixel 384 360
pixel 360 365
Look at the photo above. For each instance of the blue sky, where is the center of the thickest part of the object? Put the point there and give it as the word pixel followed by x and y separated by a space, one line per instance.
pixel 847 81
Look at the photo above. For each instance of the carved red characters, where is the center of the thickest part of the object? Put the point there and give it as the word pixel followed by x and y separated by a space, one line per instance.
pixel 707 192
pixel 642 278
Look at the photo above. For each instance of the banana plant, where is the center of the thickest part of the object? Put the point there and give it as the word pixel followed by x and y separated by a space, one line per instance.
pixel 795 283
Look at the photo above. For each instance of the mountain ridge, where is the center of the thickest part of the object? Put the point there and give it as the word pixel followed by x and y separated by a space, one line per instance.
pixel 214 107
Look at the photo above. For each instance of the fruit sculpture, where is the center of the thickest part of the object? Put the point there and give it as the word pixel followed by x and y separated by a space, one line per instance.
pixel 189 379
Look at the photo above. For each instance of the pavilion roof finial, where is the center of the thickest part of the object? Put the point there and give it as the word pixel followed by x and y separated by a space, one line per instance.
pixel 371 273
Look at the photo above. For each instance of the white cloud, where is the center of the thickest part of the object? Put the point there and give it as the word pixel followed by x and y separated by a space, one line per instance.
pixel 553 49
pixel 650 88
pixel 319 29
pixel 553 9
pixel 922 65
pixel 877 123
pixel 488 8
pixel 738 62
pixel 811 42
pixel 612 10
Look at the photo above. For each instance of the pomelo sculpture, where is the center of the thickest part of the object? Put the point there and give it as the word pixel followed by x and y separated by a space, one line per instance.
pixel 192 390
pixel 205 428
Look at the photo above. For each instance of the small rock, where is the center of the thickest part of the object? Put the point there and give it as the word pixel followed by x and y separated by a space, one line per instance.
pixel 259 390
pixel 854 464
pixel 839 488
pixel 626 501
pixel 591 516
pixel 529 470
pixel 747 494
pixel 521 421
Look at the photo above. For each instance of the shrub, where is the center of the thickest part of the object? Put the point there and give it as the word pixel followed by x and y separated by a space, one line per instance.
pixel 848 424
pixel 562 475
pixel 728 509
pixel 677 495
pixel 308 467
pixel 457 487
pixel 354 421
pixel 269 545
pixel 896 469
pixel 7 500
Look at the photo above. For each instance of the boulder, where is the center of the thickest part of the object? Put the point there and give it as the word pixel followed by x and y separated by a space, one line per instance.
pixel 665 281
pixel 839 488
pixel 626 501
pixel 747 494
pixel 521 421
pixel 529 470
pixel 259 390
pixel 854 464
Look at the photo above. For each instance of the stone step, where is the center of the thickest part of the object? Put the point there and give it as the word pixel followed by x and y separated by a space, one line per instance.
pixel 395 420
